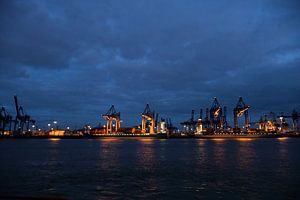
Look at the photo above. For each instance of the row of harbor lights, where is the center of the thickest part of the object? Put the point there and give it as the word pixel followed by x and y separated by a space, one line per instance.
pixel 55 125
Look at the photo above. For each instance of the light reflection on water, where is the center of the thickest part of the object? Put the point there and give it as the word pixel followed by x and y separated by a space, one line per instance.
pixel 283 153
pixel 146 140
pixel 109 153
pixel 219 154
pixel 201 153
pixel 245 154
pixel 54 139
pixel 145 154
pixel 152 169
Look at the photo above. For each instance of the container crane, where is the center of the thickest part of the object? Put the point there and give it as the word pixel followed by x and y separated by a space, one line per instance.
pixel 113 120
pixel 240 110
pixel 189 125
pixel 295 116
pixel 216 115
pixel 5 119
pixel 22 119
pixel 148 120
pixel 171 129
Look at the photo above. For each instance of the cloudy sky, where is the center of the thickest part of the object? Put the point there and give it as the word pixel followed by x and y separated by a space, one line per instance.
pixel 70 60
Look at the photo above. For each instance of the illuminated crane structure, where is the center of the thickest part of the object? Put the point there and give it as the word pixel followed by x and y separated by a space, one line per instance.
pixel 5 119
pixel 22 119
pixel 148 121
pixel 217 116
pixel 240 110
pixel 113 120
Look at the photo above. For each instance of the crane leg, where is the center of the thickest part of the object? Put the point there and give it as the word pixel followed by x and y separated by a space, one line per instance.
pixel 246 120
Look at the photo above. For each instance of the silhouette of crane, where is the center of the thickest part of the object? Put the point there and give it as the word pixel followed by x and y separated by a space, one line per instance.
pixel 22 119
pixel 5 119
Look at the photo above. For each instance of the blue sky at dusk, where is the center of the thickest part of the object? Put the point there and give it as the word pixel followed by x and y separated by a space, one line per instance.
pixel 71 60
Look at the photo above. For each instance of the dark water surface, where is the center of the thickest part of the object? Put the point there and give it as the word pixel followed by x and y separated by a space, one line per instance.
pixel 151 168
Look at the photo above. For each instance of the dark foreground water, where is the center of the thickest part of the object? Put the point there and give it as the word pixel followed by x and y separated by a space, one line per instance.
pixel 151 169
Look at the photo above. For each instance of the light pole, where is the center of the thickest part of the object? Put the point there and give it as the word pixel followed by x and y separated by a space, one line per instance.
pixel 55 124
pixel 33 128
pixel 281 123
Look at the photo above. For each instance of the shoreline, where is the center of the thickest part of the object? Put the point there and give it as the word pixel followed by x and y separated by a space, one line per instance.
pixel 216 136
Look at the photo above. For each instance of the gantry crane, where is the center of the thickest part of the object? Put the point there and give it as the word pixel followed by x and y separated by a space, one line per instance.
pixel 190 125
pixel 113 120
pixel 171 129
pixel 241 109
pixel 5 119
pixel 148 120
pixel 22 119
pixel 217 117
pixel 295 116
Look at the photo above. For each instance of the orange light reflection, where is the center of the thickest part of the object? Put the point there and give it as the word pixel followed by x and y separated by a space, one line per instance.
pixel 146 140
pixel 108 140
pixel 244 139
pixel 218 140
pixel 282 138
pixel 54 139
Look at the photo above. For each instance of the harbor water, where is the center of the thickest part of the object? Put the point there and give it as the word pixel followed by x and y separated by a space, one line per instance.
pixel 145 168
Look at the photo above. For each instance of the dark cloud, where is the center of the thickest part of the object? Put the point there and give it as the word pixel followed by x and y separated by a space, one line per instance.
pixel 70 60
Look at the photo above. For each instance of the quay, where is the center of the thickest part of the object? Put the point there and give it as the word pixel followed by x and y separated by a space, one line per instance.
pixel 156 136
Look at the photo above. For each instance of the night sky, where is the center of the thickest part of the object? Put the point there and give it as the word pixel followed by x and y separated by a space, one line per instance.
pixel 70 60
